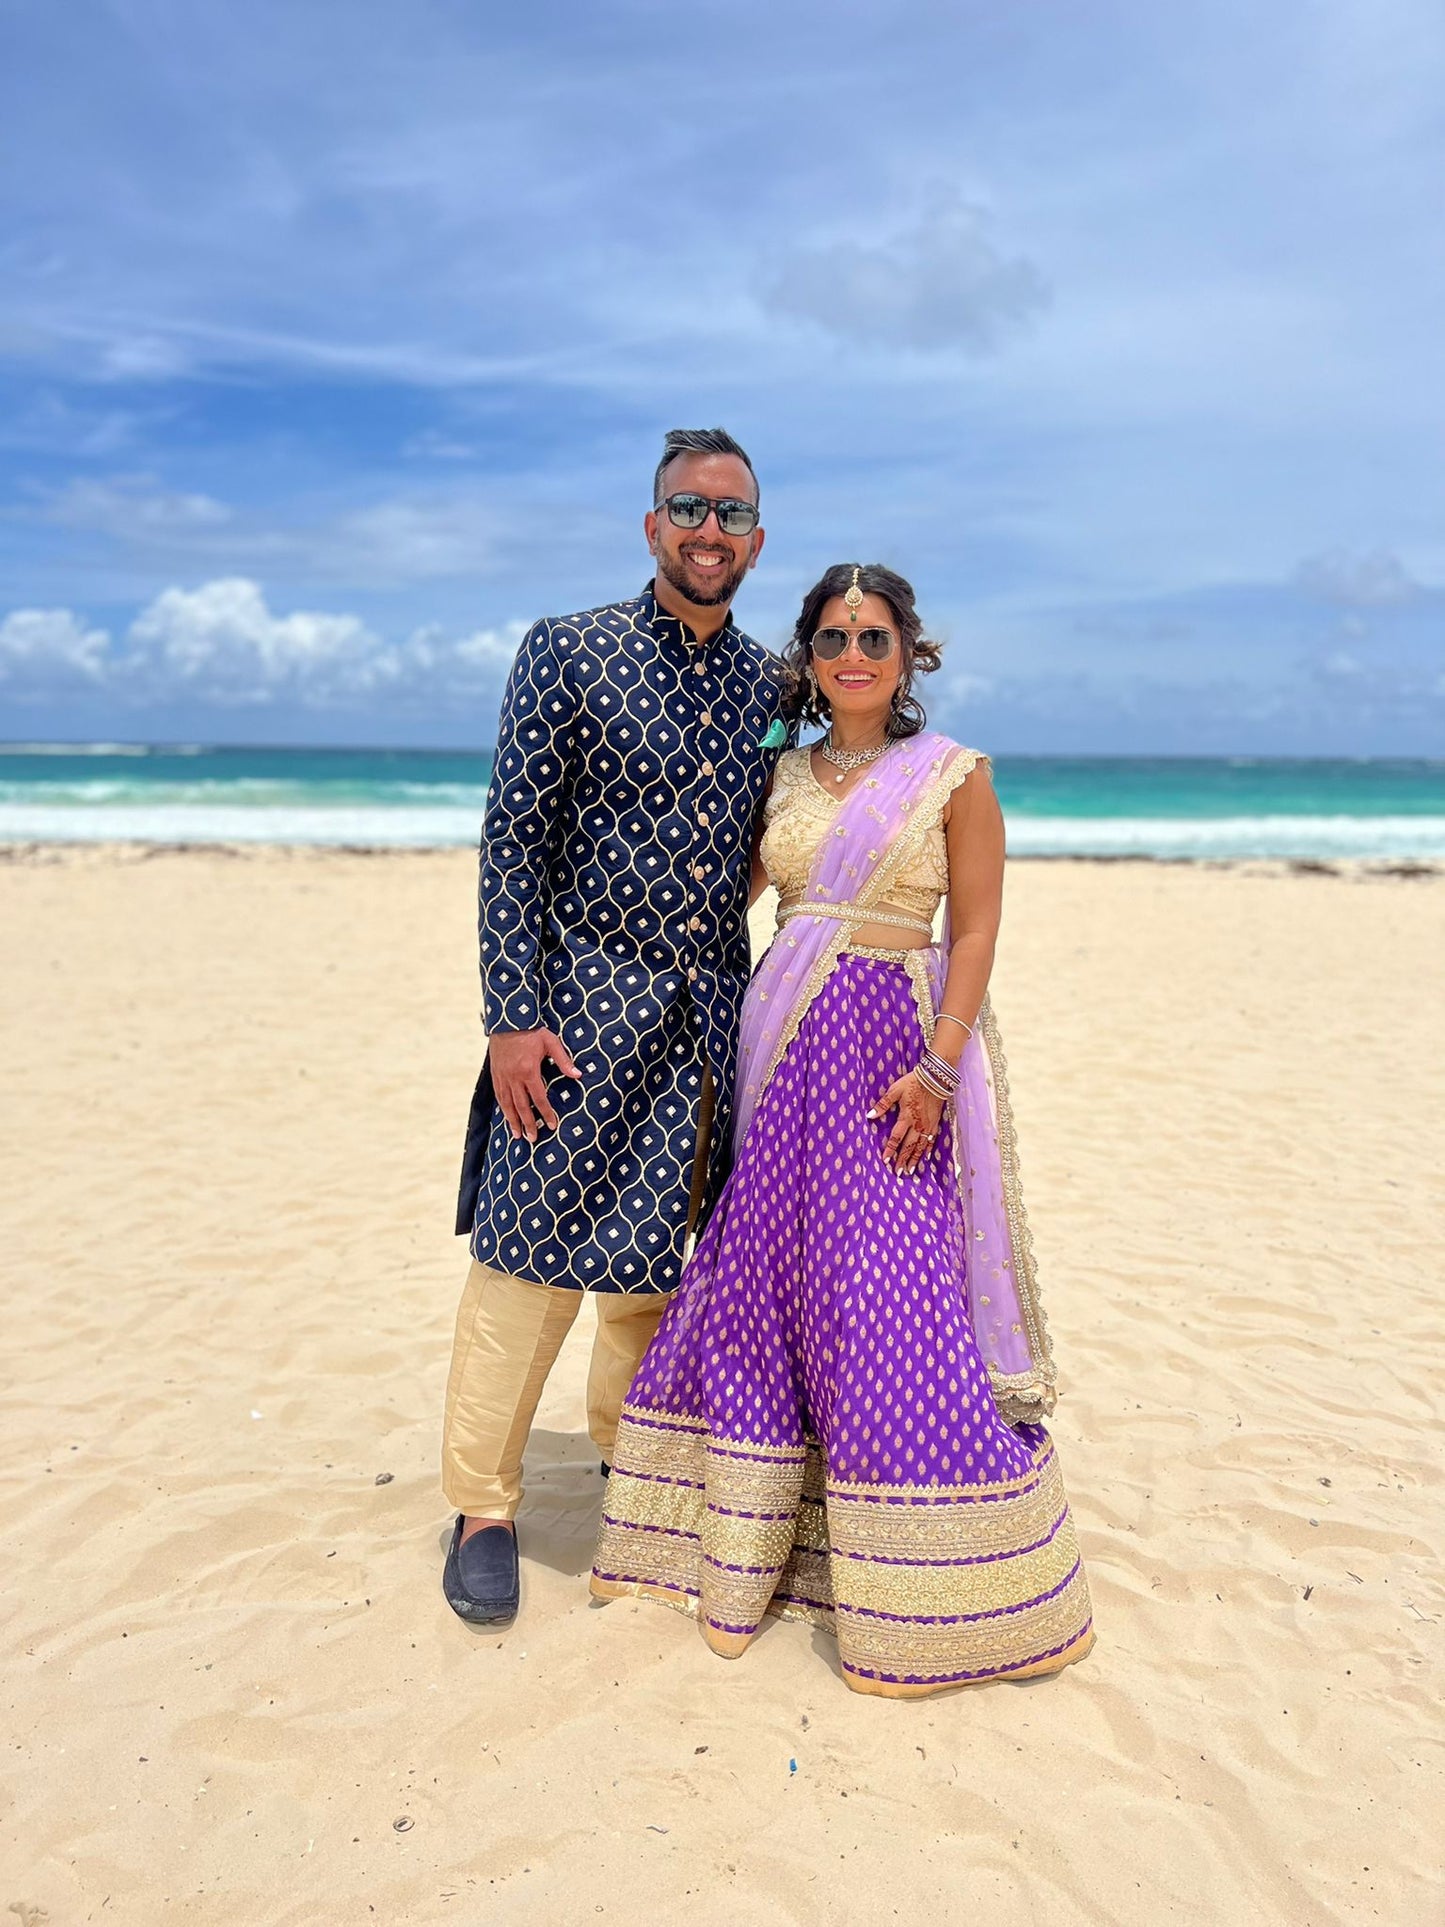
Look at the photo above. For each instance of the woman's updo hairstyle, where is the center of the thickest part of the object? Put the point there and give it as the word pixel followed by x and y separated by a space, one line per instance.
pixel 920 657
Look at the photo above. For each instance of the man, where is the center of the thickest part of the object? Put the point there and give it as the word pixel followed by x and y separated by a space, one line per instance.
pixel 634 747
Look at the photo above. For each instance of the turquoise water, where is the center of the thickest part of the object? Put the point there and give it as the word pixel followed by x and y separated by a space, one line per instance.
pixel 1086 806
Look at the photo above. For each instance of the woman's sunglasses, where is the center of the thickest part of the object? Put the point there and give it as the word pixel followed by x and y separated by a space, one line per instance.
pixel 690 512
pixel 876 644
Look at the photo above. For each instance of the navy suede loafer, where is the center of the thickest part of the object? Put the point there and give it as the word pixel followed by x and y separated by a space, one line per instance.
pixel 481 1580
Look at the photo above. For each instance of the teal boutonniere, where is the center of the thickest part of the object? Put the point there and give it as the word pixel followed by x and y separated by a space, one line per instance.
pixel 777 735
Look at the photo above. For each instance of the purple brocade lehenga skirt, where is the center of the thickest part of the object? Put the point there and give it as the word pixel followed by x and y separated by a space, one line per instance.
pixel 812 1431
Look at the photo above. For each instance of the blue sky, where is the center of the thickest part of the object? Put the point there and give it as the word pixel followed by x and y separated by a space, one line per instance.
pixel 337 340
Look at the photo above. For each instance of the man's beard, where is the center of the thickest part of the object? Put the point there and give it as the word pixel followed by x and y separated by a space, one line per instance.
pixel 701 594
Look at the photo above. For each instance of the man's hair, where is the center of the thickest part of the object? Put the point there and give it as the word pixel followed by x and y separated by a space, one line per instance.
pixel 698 441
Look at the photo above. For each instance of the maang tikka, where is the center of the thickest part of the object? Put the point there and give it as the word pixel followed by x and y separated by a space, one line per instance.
pixel 854 597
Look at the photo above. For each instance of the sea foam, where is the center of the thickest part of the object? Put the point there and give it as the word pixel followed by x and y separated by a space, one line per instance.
pixel 456 824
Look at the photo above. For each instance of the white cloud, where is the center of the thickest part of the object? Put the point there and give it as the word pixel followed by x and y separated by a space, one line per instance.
pixel 483 655
pixel 222 649
pixel 1375 578
pixel 431 445
pixel 52 424
pixel 224 638
pixel 51 646
pixel 223 644
pixel 1339 665
pixel 143 357
pixel 135 508
pixel 941 283
pixel 403 538
pixel 488 648
pixel 407 540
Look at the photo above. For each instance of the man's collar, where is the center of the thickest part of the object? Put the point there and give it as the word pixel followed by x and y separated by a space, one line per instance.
pixel 663 621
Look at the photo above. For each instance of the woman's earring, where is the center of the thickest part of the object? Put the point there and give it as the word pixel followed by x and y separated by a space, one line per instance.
pixel 812 682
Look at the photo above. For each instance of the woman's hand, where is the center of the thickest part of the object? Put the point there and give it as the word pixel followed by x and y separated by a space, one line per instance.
pixel 912 1137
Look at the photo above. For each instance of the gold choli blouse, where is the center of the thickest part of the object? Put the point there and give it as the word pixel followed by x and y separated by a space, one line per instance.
pixel 799 814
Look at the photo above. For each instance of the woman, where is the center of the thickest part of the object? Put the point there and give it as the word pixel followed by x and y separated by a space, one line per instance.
pixel 840 1415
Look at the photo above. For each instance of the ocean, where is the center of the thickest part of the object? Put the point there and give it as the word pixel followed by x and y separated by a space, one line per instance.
pixel 1166 807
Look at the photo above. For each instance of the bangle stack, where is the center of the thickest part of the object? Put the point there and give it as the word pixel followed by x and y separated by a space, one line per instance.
pixel 936 1076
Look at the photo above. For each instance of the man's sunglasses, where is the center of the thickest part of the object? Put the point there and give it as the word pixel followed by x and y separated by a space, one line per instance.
pixel 876 644
pixel 690 512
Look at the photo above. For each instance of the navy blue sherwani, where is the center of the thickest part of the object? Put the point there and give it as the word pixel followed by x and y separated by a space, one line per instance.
pixel 615 865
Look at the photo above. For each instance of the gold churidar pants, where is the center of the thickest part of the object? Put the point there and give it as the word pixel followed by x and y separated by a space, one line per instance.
pixel 509 1332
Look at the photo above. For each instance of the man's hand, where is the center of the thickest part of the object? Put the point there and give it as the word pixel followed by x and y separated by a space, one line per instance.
pixel 516 1058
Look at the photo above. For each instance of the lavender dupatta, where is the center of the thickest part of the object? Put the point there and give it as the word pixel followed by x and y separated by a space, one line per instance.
pixel 879 827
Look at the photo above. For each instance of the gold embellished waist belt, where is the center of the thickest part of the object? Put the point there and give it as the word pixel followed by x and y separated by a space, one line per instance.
pixel 852 919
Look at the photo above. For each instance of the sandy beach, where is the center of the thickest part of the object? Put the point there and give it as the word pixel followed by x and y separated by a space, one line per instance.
pixel 234 1092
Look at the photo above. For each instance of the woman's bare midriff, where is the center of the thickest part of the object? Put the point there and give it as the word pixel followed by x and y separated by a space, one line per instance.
pixel 886 936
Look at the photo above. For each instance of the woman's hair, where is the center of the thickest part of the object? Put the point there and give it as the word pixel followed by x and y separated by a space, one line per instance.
pixel 920 657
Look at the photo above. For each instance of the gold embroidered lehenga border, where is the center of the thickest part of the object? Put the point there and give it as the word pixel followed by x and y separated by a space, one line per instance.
pixel 923 1586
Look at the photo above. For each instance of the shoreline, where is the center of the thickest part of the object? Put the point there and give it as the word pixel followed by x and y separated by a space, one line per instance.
pixel 122 850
